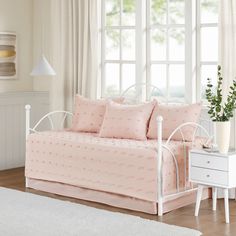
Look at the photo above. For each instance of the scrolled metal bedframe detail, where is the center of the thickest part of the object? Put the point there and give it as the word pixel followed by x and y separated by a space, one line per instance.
pixel 161 196
pixel 148 89
pixel 160 144
pixel 47 116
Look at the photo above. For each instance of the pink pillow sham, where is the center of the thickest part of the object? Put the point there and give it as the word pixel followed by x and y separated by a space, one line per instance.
pixel 88 114
pixel 173 116
pixel 126 121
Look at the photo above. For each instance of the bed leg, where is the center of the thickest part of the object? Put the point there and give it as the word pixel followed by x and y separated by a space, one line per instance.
pixel 159 166
pixel 160 208
pixel 27 131
pixel 27 120
pixel 26 182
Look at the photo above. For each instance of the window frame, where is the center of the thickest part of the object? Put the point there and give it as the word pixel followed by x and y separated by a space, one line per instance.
pixel 143 62
pixel 201 63
pixel 166 62
pixel 119 61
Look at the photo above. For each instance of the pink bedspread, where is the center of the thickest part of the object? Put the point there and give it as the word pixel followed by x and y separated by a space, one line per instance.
pixel 120 166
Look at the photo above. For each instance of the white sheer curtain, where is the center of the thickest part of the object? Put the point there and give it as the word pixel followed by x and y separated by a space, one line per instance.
pixel 74 50
pixel 227 54
pixel 227 41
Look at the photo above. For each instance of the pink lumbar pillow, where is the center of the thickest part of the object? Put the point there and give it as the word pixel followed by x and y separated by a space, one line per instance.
pixel 173 116
pixel 88 114
pixel 126 121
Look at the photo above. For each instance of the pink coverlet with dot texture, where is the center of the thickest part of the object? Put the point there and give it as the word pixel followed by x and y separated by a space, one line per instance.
pixel 120 166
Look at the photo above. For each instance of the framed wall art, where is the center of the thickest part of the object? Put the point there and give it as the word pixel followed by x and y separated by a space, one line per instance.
pixel 8 55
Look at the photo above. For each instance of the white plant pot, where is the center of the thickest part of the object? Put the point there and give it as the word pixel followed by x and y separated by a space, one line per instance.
pixel 223 136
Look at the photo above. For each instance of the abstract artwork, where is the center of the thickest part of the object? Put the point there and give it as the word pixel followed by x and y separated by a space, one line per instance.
pixel 7 55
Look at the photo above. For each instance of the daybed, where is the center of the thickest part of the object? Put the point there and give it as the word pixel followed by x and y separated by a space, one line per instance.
pixel 149 176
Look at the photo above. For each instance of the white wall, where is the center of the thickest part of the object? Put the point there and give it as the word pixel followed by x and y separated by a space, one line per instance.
pixel 26 18
pixel 12 124
pixel 17 15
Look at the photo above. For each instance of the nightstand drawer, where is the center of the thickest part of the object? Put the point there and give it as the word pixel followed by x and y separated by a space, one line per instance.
pixel 209 176
pixel 217 163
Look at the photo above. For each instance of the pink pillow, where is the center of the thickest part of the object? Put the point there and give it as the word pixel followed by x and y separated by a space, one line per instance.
pixel 88 114
pixel 173 116
pixel 126 121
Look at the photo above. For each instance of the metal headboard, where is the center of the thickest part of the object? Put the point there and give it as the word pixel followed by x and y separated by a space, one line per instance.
pixel 141 92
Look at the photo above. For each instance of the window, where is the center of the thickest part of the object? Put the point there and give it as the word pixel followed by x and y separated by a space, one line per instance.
pixel 169 43
pixel 166 47
pixel 208 43
pixel 119 52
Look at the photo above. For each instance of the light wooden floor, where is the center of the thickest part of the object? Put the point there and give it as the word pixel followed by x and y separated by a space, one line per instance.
pixel 208 222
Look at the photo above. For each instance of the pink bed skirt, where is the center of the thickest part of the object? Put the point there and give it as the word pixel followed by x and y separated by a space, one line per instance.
pixel 180 200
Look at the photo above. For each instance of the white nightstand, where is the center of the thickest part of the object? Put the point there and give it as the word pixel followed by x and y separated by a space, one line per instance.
pixel 214 170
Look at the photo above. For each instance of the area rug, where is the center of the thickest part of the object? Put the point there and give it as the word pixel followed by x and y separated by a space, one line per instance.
pixel 26 214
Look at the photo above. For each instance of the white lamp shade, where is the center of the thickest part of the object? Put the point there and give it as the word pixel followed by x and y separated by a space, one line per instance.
pixel 43 68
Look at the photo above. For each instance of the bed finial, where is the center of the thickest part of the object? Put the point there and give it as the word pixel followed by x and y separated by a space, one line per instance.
pixel 27 120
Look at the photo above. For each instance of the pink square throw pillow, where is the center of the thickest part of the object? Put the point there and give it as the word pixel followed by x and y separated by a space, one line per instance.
pixel 126 121
pixel 173 116
pixel 88 114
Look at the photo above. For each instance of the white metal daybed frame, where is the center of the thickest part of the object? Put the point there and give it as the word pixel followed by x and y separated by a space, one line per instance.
pixel 160 146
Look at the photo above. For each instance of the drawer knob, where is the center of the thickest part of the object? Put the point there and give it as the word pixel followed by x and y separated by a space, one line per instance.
pixel 208 162
pixel 208 176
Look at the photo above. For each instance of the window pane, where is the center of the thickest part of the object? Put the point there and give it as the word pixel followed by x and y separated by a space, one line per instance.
pixel 112 83
pixel 209 44
pixel 128 75
pixel 208 71
pixel 158 44
pixel 158 11
pixel 112 12
pixel 128 44
pixel 112 44
pixel 176 11
pixel 209 11
pixel 177 44
pixel 158 78
pixel 177 82
pixel 128 14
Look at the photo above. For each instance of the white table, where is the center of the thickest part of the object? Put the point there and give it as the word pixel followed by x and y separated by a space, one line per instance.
pixel 212 169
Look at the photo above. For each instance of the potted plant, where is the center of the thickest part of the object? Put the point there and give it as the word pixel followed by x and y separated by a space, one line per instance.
pixel 221 111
